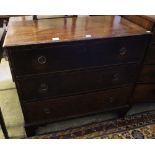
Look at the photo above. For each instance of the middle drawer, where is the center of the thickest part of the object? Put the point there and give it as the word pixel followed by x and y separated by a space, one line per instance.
pixel 67 83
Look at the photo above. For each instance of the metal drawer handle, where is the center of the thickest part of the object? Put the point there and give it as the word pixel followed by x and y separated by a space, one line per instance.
pixel 116 77
pixel 123 51
pixel 111 99
pixel 47 111
pixel 43 88
pixel 42 60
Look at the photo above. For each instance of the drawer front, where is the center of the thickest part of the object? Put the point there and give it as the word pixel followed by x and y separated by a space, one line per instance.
pixel 52 59
pixel 90 53
pixel 147 74
pixel 150 56
pixel 68 83
pixel 120 50
pixel 72 106
pixel 144 93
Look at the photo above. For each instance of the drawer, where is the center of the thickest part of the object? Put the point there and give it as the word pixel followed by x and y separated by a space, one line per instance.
pixel 67 83
pixel 118 50
pixel 144 93
pixel 77 55
pixel 147 74
pixel 72 106
pixel 150 56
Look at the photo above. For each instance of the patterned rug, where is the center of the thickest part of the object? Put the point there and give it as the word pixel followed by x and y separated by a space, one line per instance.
pixel 140 126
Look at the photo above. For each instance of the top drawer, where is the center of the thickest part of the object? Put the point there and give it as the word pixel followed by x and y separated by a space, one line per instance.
pixel 77 55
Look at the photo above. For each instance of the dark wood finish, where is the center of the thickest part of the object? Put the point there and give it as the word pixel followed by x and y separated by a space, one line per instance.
pixel 26 31
pixel 145 21
pixel 144 90
pixel 73 106
pixel 150 56
pixel 144 93
pixel 68 83
pixel 147 74
pixel 91 68
pixel 31 129
pixel 77 55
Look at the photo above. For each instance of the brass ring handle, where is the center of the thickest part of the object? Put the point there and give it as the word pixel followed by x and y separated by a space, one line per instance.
pixel 43 88
pixel 123 51
pixel 116 77
pixel 47 111
pixel 42 60
pixel 111 99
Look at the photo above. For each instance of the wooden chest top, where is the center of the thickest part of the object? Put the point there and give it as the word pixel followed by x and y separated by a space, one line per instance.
pixel 150 17
pixel 146 21
pixel 26 31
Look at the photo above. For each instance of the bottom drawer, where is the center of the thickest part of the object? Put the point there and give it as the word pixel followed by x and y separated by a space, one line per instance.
pixel 72 106
pixel 144 93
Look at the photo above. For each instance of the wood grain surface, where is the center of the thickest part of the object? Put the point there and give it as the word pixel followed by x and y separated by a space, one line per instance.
pixel 146 22
pixel 24 30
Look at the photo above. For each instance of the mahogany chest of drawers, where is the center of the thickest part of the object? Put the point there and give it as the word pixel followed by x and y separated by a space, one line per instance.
pixel 145 88
pixel 70 67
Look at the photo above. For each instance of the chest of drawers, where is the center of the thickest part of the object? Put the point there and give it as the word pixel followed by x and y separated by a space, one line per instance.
pixel 91 67
pixel 145 88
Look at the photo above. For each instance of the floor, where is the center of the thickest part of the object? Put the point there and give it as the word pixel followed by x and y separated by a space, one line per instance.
pixel 9 103
pixel 13 116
